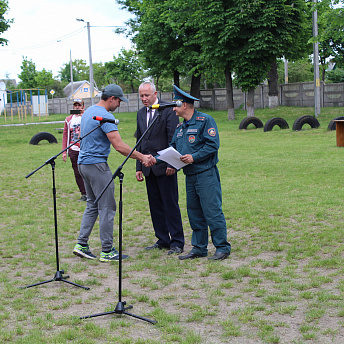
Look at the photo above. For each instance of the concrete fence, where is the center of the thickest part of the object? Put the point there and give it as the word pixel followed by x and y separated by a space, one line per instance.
pixel 297 94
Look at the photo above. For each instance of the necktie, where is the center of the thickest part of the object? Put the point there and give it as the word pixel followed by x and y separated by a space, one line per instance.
pixel 150 117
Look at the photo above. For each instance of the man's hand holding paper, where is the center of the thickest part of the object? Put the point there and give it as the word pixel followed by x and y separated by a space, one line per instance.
pixel 172 157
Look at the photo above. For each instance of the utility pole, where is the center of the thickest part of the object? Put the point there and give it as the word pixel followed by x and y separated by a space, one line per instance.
pixel 90 58
pixel 71 72
pixel 316 61
pixel 285 70
pixel 91 65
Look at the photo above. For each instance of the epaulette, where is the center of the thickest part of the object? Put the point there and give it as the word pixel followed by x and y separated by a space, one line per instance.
pixel 200 118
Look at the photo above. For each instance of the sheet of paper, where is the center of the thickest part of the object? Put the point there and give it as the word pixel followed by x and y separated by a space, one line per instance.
pixel 172 157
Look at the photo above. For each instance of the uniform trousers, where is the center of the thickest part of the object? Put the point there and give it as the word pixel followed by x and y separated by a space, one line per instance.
pixel 162 194
pixel 204 206
pixel 96 177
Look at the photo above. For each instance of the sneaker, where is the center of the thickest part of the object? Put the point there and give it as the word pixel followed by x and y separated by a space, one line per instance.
pixel 83 252
pixel 83 198
pixel 111 256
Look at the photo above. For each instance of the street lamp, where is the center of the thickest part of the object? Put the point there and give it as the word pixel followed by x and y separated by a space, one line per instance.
pixel 90 58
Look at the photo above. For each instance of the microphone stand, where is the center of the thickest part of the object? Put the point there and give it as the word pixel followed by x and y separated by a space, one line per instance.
pixel 59 273
pixel 120 307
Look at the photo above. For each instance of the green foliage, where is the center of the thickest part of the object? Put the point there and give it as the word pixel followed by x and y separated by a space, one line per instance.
pixel 79 68
pixel 213 77
pixel 125 70
pixel 44 79
pixel 99 74
pixel 28 74
pixel 4 23
pixel 267 30
pixel 31 78
pixel 335 75
pixel 331 34
pixel 163 34
pixel 246 37
pixel 298 71
pixel 57 86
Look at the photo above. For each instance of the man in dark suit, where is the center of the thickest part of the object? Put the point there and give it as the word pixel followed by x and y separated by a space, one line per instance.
pixel 161 179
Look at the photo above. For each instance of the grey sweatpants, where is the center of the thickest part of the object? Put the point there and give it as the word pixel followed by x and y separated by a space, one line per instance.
pixel 95 178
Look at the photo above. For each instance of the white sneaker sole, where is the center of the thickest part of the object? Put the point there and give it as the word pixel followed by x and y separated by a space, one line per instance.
pixel 82 254
pixel 115 259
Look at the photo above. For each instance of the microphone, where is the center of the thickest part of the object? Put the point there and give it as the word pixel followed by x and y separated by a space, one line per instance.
pixel 178 103
pixel 106 120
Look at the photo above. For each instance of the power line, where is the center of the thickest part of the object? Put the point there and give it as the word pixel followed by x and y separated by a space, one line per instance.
pixel 57 40
pixel 42 45
pixel 106 26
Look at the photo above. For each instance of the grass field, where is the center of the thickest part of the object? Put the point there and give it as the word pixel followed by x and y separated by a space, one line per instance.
pixel 283 283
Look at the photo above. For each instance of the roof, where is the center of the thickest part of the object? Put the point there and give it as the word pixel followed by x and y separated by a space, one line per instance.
pixel 76 86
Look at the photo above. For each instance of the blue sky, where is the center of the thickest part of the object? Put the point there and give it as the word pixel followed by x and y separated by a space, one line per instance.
pixel 45 31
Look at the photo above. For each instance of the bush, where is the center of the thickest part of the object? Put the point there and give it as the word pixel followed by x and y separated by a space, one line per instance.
pixel 335 75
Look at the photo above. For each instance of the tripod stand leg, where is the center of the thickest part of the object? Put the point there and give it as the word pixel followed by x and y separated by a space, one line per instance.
pixel 58 277
pixel 97 315
pixel 39 283
pixel 139 317
pixel 120 309
pixel 77 285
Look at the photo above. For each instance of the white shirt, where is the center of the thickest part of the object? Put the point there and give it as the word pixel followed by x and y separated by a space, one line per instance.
pixel 75 132
pixel 148 114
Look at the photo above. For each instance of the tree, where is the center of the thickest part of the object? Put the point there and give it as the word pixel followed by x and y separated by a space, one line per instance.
pixel 244 38
pixel 99 74
pixel 80 71
pixel 152 37
pixel 44 79
pixel 219 48
pixel 300 70
pixel 331 34
pixel 125 70
pixel 335 75
pixel 267 28
pixel 161 32
pixel 299 49
pixel 57 86
pixel 4 23
pixel 28 74
pixel 241 36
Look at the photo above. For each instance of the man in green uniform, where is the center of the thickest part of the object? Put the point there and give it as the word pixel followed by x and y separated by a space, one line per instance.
pixel 197 140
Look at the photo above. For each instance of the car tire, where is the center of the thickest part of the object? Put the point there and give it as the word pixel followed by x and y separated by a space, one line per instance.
pixel 250 120
pixel 332 124
pixel 276 121
pixel 301 121
pixel 36 139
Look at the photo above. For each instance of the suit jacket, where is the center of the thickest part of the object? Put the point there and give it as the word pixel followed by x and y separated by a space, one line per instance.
pixel 157 138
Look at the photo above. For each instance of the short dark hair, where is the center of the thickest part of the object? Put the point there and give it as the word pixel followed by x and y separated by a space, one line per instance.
pixel 104 96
